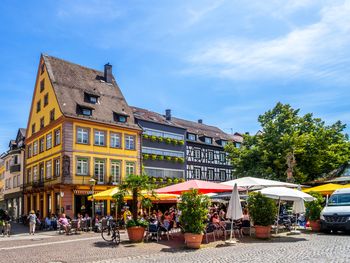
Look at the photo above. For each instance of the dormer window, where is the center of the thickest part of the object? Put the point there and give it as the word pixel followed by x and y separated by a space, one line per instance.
pixel 120 117
pixel 91 98
pixel 86 111
pixel 208 140
pixel 191 136
pixel 224 143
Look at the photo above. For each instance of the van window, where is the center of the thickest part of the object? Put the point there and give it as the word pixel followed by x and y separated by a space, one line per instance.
pixel 339 200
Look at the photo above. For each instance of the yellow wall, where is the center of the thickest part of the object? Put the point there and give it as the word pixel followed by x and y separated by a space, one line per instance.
pixel 45 111
pixel 104 152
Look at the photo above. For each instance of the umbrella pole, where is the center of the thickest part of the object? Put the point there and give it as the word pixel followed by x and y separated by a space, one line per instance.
pixel 278 213
pixel 231 231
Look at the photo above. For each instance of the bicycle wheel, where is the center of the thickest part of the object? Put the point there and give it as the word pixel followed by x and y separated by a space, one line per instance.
pixel 107 234
pixel 116 236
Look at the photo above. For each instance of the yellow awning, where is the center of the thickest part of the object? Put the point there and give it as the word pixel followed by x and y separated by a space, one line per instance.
pixel 325 189
pixel 108 195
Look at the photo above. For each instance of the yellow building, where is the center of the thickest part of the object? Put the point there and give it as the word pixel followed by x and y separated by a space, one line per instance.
pixel 80 127
pixel 2 183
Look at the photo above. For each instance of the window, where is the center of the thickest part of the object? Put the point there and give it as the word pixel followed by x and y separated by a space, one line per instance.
pixel 163 134
pixel 33 128
pixel 29 175
pixel 14 183
pixel 41 145
pixel 48 169
pixel 57 139
pixel 38 106
pixel 115 171
pixel 46 99
pixel 93 99
pixel 208 140
pixel 130 168
pixel 82 135
pixel 15 159
pixel 191 137
pixel 86 111
pixel 18 180
pixel 210 174
pixel 48 141
pixel 52 115
pixel 29 151
pixel 210 156
pixel 99 138
pixel 115 140
pixel 42 123
pixel 197 173
pixel 222 175
pixel 197 153
pixel 121 118
pixel 82 166
pixel 7 166
pixel 129 142
pixel 238 145
pixel 162 152
pixel 57 167
pixel 35 173
pixel 42 68
pixel 99 171
pixel 224 143
pixel 42 85
pixel 35 148
pixel 222 157
pixel 41 172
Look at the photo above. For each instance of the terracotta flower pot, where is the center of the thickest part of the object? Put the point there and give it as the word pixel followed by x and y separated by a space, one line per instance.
pixel 136 233
pixel 263 232
pixel 315 225
pixel 193 240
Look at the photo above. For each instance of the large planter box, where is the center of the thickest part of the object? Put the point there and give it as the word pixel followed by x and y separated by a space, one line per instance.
pixel 193 240
pixel 136 233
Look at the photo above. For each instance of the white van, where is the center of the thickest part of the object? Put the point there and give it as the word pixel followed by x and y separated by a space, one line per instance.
pixel 336 214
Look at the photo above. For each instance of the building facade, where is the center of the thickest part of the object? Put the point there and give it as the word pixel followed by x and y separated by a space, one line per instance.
pixel 13 175
pixel 163 144
pixel 80 127
pixel 2 183
pixel 206 158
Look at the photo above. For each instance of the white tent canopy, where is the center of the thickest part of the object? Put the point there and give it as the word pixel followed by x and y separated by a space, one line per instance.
pixel 253 183
pixel 286 194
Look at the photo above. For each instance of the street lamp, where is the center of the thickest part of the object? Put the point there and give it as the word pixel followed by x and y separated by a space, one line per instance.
pixel 92 183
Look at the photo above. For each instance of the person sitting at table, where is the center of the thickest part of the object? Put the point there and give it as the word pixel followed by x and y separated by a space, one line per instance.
pixel 47 223
pixel 53 222
pixel 63 221
pixel 215 220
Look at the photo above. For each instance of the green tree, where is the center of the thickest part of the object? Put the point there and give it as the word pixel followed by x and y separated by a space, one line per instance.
pixel 304 146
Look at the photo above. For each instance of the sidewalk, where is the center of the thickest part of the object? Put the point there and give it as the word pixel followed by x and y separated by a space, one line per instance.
pixel 21 232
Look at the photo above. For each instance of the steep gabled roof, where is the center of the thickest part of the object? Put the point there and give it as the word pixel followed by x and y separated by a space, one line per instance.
pixel 71 82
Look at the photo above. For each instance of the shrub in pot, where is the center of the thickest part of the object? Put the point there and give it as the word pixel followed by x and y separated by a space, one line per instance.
pixel 160 139
pixel 135 185
pixel 154 157
pixel 174 141
pixel 181 142
pixel 262 211
pixel 145 136
pixel 153 138
pixel 160 157
pixel 168 158
pixel 145 156
pixel 168 140
pixel 194 211
pixel 313 211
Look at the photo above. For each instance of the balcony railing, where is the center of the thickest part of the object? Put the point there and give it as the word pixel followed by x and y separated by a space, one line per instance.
pixel 15 168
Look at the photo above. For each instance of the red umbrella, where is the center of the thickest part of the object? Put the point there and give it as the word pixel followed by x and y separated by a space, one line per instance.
pixel 203 187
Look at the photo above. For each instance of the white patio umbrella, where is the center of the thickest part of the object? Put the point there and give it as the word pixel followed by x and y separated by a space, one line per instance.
pixel 234 210
pixel 286 194
pixel 253 183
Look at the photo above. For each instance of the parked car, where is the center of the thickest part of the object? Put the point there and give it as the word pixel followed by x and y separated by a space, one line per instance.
pixel 336 214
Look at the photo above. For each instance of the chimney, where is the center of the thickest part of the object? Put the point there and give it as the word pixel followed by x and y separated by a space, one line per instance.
pixel 200 121
pixel 108 73
pixel 168 114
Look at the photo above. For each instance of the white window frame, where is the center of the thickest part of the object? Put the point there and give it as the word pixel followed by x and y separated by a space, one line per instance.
pixel 210 153
pixel 35 148
pixel 82 166
pixel 208 140
pixel 99 138
pixel 57 163
pixel 222 175
pixel 48 141
pixel 210 174
pixel 194 136
pixel 100 170
pixel 196 150
pixel 57 137
pixel 49 169
pixel 130 166
pixel 130 141
pixel 195 175
pixel 115 171
pixel 115 137
pixel 82 135
pixel 35 173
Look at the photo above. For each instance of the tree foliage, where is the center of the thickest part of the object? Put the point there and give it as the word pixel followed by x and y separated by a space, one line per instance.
pixel 303 144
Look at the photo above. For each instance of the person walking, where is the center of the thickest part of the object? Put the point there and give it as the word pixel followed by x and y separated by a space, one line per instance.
pixel 32 222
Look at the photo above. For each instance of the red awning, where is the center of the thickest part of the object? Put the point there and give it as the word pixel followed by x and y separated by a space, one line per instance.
pixel 203 187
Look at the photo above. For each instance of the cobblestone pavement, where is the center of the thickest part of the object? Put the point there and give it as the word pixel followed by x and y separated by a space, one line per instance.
pixel 89 247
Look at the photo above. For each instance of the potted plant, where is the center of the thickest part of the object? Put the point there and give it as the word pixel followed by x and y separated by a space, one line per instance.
pixel 154 157
pixel 145 156
pixel 153 138
pixel 145 136
pixel 136 185
pixel 174 141
pixel 194 211
pixel 181 142
pixel 160 157
pixel 262 211
pixel 168 158
pixel 160 139
pixel 168 140
pixel 313 211
pixel 181 160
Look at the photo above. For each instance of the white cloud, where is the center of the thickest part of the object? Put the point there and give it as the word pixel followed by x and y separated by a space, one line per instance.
pixel 311 51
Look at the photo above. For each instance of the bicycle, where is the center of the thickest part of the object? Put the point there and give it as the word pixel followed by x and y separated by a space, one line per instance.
pixel 110 233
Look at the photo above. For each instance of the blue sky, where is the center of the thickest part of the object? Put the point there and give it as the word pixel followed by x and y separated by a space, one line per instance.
pixel 225 62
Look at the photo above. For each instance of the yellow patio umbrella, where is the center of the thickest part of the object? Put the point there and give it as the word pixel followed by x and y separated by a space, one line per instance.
pixel 325 189
pixel 108 195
